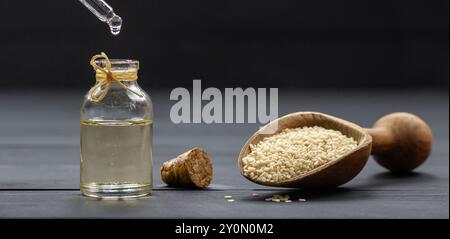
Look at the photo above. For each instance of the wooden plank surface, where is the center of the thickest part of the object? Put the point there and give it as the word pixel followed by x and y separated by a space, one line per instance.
pixel 39 162
pixel 339 203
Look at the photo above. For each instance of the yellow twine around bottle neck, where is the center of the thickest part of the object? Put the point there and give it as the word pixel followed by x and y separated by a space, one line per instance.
pixel 105 76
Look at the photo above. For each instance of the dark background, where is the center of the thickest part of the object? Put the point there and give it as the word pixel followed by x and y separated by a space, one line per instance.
pixel 317 48
pixel 230 43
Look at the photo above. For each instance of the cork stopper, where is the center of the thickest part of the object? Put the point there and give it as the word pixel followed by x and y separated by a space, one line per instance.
pixel 192 169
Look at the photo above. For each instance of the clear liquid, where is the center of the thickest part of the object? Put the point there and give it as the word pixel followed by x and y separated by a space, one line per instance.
pixel 116 158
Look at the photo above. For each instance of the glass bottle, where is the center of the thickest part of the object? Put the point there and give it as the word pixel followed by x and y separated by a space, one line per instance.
pixel 116 135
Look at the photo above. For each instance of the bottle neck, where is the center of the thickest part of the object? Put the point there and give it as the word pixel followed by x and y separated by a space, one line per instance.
pixel 129 83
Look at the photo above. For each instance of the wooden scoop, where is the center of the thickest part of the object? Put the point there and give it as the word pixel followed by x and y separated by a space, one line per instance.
pixel 399 142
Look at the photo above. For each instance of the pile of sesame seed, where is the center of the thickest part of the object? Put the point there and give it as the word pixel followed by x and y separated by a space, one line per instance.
pixel 274 198
pixel 279 198
pixel 293 152
pixel 283 198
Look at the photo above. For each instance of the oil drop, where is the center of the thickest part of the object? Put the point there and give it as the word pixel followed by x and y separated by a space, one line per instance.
pixel 115 25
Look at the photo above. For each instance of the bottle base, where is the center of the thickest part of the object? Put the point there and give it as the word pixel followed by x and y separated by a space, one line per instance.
pixel 116 190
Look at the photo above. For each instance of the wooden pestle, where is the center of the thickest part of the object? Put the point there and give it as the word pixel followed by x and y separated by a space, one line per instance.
pixel 400 141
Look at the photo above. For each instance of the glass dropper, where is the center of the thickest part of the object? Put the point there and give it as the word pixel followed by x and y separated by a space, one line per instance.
pixel 104 13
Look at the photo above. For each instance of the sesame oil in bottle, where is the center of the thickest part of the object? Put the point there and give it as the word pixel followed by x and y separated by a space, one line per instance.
pixel 116 133
pixel 115 157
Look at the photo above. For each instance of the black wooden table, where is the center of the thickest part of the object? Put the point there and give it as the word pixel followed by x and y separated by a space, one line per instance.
pixel 39 162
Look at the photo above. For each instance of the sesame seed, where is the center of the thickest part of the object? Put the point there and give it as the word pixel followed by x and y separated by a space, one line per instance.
pixel 228 197
pixel 294 152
